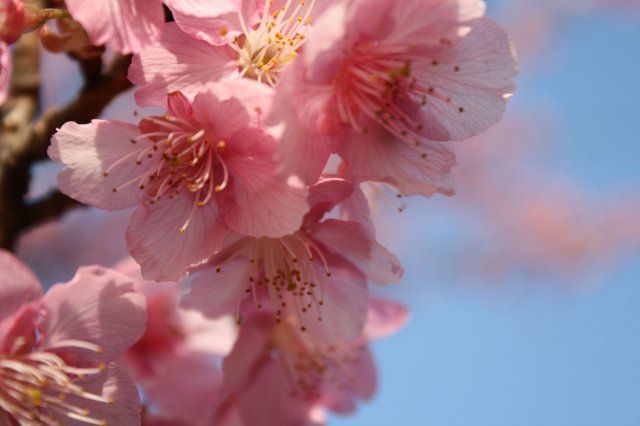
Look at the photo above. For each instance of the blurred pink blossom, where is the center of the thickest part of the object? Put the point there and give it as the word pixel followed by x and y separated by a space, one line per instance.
pixel 277 375
pixel 180 351
pixel 58 350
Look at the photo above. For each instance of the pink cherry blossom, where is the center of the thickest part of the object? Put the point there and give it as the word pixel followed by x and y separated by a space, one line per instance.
pixel 179 350
pixel 390 84
pixel 203 169
pixel 5 72
pixel 255 39
pixel 316 276
pixel 125 25
pixel 12 20
pixel 58 350
pixel 276 375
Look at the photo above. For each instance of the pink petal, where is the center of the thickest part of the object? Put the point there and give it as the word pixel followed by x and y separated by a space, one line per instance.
pixel 362 382
pixel 18 285
pixel 252 344
pixel 218 293
pixel 179 106
pixel 112 383
pixel 98 306
pixel 212 21
pixel 326 194
pixel 356 208
pixel 379 157
pixel 90 151
pixel 19 328
pixel 256 384
pixel 352 241
pixel 264 202
pixel 344 310
pixel 385 318
pixel 224 117
pixel 478 90
pixel 307 140
pixel 5 72
pixel 256 98
pixel 126 25
pixel 195 375
pixel 156 243
pixel 177 62
pixel 427 21
pixel 269 401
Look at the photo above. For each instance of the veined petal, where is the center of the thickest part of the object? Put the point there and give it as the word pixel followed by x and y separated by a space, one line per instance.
pixel 352 241
pixel 156 242
pixel 216 292
pixel 414 170
pixel 98 306
pixel 265 203
pixel 177 62
pixel 101 163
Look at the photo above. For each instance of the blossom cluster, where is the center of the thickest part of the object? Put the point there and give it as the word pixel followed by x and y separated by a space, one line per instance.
pixel 247 186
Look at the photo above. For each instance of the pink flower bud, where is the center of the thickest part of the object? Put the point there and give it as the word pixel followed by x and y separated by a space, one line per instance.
pixel 12 20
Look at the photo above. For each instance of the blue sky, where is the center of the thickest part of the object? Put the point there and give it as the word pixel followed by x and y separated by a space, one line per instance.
pixel 530 353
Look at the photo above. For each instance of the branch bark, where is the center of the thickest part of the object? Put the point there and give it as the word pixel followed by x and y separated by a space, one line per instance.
pixel 25 141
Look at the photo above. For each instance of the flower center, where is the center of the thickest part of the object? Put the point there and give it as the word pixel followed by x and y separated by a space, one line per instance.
pixel 293 270
pixel 184 159
pixel 378 84
pixel 264 51
pixel 40 388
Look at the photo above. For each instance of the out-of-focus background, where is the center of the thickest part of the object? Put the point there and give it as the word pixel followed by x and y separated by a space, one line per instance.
pixel 524 288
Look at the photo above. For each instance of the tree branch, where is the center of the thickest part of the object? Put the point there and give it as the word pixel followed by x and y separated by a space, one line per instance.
pixel 25 142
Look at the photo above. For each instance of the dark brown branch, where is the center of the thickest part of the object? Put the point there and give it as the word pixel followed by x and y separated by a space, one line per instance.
pixel 87 105
pixel 17 114
pixel 24 143
pixel 51 206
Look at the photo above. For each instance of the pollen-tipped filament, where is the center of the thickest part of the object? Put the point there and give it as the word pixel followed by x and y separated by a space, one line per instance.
pixel 42 388
pixel 265 49
pixel 184 158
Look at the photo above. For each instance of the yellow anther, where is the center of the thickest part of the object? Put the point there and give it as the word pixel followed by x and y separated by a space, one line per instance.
pixel 35 395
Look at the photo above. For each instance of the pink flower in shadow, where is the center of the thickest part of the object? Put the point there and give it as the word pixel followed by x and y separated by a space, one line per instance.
pixel 276 375
pixel 180 350
pixel 58 350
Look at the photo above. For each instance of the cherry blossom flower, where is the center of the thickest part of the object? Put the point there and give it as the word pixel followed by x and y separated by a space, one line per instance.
pixel 203 169
pixel 57 350
pixel 180 349
pixel 5 72
pixel 316 275
pixel 276 375
pixel 389 84
pixel 125 25
pixel 257 39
